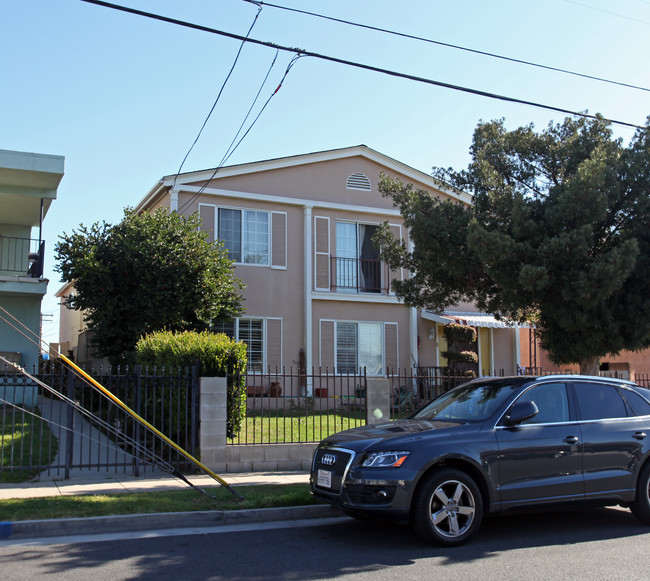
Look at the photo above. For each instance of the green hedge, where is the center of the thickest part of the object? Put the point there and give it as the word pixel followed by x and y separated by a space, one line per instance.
pixel 456 333
pixel 218 355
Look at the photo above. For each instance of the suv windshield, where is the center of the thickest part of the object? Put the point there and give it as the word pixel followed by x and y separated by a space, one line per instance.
pixel 473 402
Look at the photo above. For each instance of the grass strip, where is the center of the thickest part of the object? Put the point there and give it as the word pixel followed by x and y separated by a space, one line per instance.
pixel 26 444
pixel 256 496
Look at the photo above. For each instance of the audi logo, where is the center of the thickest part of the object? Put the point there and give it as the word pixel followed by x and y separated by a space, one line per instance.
pixel 328 459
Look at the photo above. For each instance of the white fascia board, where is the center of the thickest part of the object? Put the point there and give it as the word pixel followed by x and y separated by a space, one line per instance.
pixel 354 298
pixel 153 193
pixel 290 201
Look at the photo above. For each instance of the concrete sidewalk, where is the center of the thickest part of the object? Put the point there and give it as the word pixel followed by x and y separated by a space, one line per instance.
pixel 102 483
pixel 29 531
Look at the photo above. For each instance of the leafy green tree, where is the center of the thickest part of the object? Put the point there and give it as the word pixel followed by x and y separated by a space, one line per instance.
pixel 147 273
pixel 558 235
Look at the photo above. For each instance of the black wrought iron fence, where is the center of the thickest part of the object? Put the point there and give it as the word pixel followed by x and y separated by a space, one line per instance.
pixel 95 432
pixel 290 406
pixel 412 388
pixel 642 379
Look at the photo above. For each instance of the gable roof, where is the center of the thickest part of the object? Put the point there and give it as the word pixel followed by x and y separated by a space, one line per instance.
pixel 415 176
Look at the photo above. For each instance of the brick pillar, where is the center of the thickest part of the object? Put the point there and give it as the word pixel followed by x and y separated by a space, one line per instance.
pixel 213 414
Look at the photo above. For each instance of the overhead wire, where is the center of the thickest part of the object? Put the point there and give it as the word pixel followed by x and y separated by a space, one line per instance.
pixel 362 66
pixel 447 45
pixel 28 334
pixel 588 6
pixel 233 146
pixel 223 86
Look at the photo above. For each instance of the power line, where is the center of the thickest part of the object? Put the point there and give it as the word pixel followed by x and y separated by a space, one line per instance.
pixel 448 45
pixel 608 12
pixel 358 65
pixel 223 86
pixel 233 146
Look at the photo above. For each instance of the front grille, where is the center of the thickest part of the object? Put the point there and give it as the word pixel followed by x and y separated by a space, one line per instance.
pixel 334 461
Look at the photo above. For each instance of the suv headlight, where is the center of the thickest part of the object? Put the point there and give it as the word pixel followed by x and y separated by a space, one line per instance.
pixel 389 459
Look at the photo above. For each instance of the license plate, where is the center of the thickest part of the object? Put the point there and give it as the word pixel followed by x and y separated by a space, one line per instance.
pixel 324 479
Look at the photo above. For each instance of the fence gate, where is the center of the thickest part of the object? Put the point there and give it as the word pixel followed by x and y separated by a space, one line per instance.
pixel 57 439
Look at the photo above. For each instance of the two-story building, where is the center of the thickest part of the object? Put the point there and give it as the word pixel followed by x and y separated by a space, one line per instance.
pixel 28 185
pixel 300 231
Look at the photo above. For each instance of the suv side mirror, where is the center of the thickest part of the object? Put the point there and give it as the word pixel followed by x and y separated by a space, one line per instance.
pixel 520 412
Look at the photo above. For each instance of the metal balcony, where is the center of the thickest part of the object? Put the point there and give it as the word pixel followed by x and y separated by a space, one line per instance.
pixel 21 257
pixel 359 275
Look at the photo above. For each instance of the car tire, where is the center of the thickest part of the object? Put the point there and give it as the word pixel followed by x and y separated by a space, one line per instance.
pixel 447 508
pixel 641 506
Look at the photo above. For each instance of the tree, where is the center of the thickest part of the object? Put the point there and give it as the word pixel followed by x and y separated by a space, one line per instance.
pixel 558 235
pixel 147 273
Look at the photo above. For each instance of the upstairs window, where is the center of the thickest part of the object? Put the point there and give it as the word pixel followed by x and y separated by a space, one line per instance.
pixel 245 233
pixel 358 267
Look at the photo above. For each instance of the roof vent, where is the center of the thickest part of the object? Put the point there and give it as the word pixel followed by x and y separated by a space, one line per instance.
pixel 358 181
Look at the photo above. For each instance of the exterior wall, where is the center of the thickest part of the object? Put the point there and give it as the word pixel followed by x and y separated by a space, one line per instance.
pixel 485 350
pixel 504 350
pixel 317 182
pixel 626 364
pixel 27 309
pixel 71 324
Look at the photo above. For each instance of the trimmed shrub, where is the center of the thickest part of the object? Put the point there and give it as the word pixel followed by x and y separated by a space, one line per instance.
pixel 218 355
pixel 456 333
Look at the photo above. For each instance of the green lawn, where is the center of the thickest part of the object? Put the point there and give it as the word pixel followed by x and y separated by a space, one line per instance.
pixel 25 440
pixel 257 496
pixel 284 426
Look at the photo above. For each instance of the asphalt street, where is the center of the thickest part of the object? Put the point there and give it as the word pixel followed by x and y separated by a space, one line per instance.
pixel 596 544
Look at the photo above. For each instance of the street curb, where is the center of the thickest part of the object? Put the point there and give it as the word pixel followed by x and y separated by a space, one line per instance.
pixel 141 522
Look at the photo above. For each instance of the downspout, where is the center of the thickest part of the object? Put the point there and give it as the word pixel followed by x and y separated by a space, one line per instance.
pixel 308 277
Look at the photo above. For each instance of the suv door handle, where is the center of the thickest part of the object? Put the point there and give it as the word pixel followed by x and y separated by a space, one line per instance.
pixel 639 435
pixel 571 439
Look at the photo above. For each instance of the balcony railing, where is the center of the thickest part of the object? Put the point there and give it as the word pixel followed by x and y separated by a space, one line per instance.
pixel 21 257
pixel 359 275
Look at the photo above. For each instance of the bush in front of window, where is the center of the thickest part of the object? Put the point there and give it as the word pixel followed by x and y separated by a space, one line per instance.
pixel 217 354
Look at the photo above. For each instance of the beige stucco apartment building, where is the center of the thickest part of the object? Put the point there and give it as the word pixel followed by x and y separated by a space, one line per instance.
pixel 300 229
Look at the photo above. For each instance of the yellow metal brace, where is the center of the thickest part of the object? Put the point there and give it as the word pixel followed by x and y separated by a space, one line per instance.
pixel 144 422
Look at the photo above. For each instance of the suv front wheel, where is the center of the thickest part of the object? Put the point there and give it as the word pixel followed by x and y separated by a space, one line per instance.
pixel 447 508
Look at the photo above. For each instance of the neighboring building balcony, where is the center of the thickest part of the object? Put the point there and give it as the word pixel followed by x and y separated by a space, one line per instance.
pixel 359 275
pixel 21 257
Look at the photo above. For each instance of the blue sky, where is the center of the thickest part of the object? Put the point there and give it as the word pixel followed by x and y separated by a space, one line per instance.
pixel 123 97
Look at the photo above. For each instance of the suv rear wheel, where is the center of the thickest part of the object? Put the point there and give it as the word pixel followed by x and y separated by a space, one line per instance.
pixel 447 508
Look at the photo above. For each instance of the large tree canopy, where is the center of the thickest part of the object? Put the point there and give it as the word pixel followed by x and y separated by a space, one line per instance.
pixel 558 235
pixel 147 273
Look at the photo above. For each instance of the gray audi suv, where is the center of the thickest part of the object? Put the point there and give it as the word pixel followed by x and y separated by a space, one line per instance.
pixel 493 445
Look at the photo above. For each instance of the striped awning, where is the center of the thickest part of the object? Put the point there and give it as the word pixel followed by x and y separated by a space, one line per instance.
pixel 471 319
